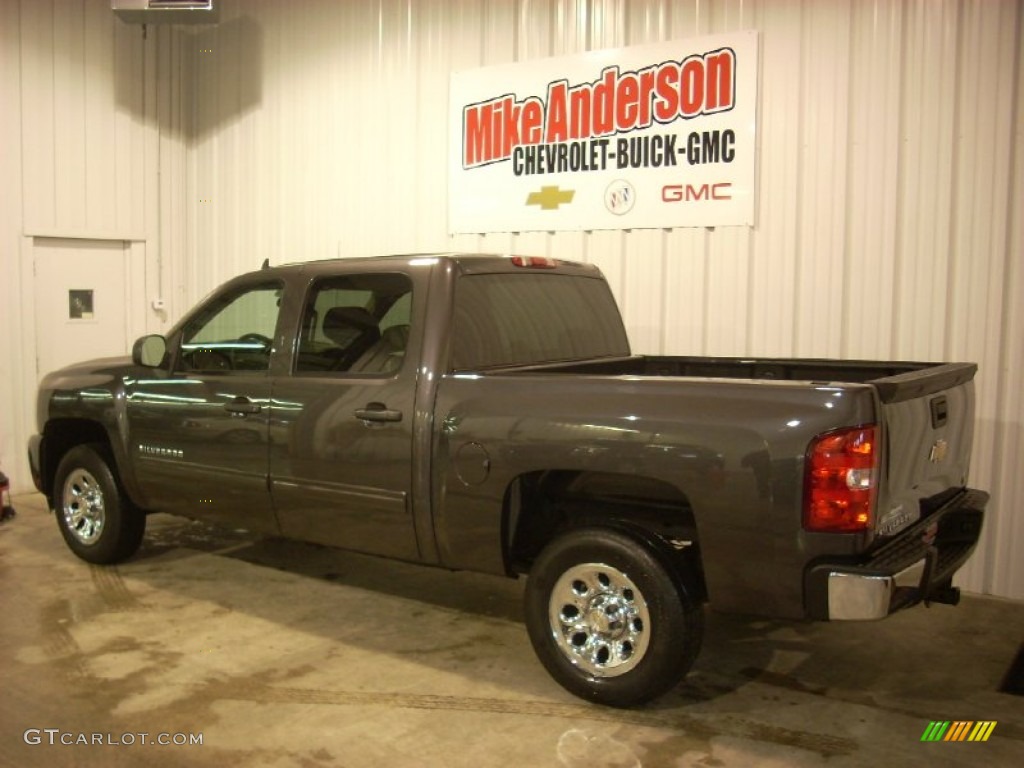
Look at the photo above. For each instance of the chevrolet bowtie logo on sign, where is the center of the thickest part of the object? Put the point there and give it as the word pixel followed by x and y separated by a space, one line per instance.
pixel 549 198
pixel 960 730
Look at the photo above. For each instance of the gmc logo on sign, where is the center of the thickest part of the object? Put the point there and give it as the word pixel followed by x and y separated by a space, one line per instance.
pixel 687 193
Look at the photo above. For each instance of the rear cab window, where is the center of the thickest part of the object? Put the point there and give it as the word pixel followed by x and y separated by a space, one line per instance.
pixel 514 319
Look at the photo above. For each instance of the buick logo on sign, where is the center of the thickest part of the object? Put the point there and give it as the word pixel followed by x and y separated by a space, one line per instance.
pixel 620 197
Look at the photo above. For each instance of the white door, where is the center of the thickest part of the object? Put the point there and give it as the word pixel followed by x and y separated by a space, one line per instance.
pixel 81 301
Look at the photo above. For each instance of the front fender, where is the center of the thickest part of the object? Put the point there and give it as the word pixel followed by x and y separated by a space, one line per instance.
pixel 80 404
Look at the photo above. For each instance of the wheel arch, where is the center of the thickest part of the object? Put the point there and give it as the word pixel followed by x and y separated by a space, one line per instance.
pixel 539 506
pixel 61 435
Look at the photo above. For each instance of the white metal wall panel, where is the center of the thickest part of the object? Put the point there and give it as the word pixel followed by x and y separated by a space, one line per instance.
pixel 775 252
pixel 889 171
pixel 1004 565
pixel 870 195
pixel 989 35
pixel 83 98
pixel 15 419
pixel 173 228
pixel 924 164
pixel 36 69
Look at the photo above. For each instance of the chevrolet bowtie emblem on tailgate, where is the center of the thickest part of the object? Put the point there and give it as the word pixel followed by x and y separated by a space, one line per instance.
pixel 939 451
pixel 549 198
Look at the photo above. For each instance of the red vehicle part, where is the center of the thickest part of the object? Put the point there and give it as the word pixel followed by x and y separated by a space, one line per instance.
pixel 7 510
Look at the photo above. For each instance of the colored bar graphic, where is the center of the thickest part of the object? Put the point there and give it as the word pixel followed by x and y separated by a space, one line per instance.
pixel 982 730
pixel 959 730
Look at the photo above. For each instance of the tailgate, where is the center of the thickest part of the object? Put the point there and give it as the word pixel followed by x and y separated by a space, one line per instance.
pixel 928 417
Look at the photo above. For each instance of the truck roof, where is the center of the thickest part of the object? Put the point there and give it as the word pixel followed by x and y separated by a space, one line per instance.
pixel 467 263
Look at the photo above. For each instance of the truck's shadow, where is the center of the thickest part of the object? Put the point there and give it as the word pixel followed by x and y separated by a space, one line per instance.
pixel 735 648
pixel 869 663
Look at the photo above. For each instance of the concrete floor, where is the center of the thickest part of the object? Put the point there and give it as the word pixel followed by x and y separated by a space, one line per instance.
pixel 282 654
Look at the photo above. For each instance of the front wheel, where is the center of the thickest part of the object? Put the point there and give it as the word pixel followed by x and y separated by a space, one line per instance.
pixel 609 620
pixel 96 518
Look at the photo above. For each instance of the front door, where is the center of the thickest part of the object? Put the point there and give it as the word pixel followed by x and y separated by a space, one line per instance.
pixel 199 430
pixel 342 421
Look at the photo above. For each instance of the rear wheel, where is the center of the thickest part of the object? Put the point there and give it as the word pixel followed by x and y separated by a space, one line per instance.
pixel 608 618
pixel 96 518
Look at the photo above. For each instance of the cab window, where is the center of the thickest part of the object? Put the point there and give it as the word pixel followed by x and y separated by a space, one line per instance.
pixel 355 324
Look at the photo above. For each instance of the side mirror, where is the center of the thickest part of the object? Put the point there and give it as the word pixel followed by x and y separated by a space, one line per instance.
pixel 149 351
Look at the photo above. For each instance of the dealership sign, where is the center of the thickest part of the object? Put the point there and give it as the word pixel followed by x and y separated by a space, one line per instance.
pixel 653 136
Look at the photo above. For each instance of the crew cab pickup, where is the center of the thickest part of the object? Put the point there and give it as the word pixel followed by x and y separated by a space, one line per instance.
pixel 486 413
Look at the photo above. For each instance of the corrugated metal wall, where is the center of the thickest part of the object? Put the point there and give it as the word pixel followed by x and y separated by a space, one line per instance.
pixel 78 147
pixel 890 176
pixel 83 119
pixel 14 421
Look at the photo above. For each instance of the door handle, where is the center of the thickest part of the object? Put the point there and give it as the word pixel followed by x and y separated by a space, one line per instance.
pixel 377 412
pixel 242 406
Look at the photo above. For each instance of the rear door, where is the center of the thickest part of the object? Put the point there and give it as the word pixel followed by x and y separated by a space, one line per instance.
pixel 342 420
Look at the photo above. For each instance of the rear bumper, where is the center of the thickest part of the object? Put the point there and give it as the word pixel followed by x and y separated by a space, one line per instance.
pixel 916 566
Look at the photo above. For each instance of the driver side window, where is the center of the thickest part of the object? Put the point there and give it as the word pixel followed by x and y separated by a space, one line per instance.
pixel 233 333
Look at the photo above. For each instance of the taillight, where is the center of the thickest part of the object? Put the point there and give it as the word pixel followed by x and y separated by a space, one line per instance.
pixel 534 262
pixel 840 481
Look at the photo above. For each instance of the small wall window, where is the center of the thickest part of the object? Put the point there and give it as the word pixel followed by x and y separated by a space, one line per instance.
pixel 80 304
pixel 357 324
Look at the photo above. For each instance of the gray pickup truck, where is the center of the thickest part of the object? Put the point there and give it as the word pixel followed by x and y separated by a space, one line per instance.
pixel 486 413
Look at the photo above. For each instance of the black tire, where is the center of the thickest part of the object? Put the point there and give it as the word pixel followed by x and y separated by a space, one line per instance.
pixel 95 516
pixel 609 619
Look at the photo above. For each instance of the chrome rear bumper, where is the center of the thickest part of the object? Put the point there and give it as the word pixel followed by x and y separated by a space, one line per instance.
pixel 916 566
pixel 862 597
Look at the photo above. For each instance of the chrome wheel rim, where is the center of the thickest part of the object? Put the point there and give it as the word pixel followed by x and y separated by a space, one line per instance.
pixel 599 619
pixel 82 506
